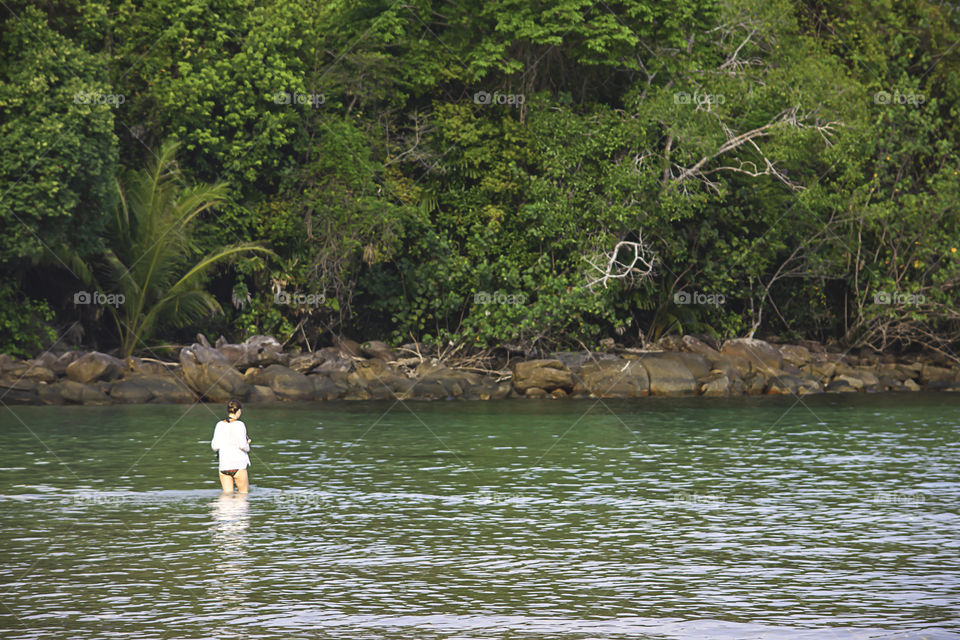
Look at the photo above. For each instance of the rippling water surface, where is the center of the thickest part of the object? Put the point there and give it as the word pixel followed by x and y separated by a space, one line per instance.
pixel 834 517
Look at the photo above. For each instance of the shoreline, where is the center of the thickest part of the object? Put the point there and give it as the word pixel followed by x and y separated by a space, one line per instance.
pixel 260 371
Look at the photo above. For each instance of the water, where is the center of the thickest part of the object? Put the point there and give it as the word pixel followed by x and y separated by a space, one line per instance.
pixel 834 517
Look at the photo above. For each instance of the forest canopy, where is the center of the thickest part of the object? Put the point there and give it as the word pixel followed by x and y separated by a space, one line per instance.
pixel 543 174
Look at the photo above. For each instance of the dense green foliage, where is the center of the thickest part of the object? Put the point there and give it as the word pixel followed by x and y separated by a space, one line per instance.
pixel 456 172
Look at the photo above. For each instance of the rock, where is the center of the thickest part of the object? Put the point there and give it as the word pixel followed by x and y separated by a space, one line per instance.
pixel 371 370
pixel 755 383
pixel 9 381
pixel 808 386
pixel 840 386
pixel 558 394
pixel 213 379
pixel 60 365
pixel 306 362
pixel 6 362
pixel 151 367
pixel 615 379
pixel 349 348
pixel 782 385
pixel 761 355
pixel 259 351
pixel 324 388
pixel 48 394
pixel 794 354
pixel 286 383
pixel 535 392
pixel 94 366
pixel 260 394
pixel 378 349
pixel 334 361
pixel 697 364
pixel 716 384
pixel 79 393
pixel 931 374
pixel 669 374
pixel 130 392
pixel 544 374
pixel 39 372
pixel 910 385
pixel 868 376
pixel 428 390
pixel 850 381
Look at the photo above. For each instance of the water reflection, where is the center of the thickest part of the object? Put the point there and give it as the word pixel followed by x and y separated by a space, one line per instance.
pixel 231 518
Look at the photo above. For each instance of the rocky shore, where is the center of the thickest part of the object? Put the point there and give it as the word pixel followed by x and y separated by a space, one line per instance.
pixel 260 371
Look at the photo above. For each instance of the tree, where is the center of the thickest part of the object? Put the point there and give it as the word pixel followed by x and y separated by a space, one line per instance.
pixel 151 266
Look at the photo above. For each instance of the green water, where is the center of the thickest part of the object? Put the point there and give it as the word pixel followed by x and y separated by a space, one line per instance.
pixel 834 517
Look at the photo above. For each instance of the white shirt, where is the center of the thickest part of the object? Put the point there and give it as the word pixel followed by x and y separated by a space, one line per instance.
pixel 230 440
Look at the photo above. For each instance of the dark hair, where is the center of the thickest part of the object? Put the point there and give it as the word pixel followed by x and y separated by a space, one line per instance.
pixel 232 407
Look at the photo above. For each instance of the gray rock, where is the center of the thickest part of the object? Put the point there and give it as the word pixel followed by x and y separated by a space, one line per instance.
pixel 79 393
pixel 260 394
pixel 761 355
pixel 615 379
pixel 544 374
pixel 669 375
pixel 213 380
pixel 286 383
pixel 94 366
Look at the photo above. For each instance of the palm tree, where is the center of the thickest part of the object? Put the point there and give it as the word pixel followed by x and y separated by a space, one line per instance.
pixel 151 259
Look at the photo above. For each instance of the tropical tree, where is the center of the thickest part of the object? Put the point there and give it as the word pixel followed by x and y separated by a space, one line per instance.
pixel 152 275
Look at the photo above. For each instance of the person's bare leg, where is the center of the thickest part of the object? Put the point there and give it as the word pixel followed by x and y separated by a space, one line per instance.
pixel 243 481
pixel 226 482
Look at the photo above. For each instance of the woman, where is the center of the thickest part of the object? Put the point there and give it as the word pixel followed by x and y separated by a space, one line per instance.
pixel 231 442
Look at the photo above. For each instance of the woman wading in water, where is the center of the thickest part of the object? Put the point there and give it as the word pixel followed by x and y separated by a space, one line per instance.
pixel 231 442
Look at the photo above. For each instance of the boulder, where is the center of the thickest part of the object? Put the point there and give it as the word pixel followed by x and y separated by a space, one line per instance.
pixel 848 380
pixel 840 386
pixel 211 376
pixel 371 370
pixel 324 388
pixel 615 379
pixel 784 384
pixel 535 392
pixel 931 374
pixel 348 348
pixel 558 394
pixel 79 393
pixel 761 355
pixel 307 362
pixel 260 394
pixel 48 394
pixel 255 351
pixel 544 374
pixel 697 364
pixel 794 354
pixel 38 371
pixel 286 383
pixel 428 390
pixel 130 392
pixel 910 385
pixel 9 381
pixel 6 362
pixel 669 374
pixel 60 365
pixel 378 349
pixel 94 366
pixel 716 384
pixel 755 383
pixel 334 361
